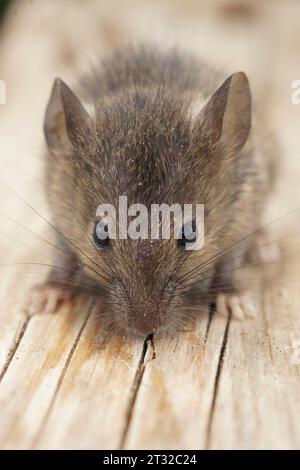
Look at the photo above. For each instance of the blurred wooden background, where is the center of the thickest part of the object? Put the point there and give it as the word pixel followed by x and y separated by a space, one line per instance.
pixel 65 383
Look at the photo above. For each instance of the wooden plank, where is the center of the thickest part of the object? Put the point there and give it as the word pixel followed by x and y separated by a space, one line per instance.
pixel 16 278
pixel 257 404
pixel 64 383
pixel 92 406
pixel 13 322
pixel 35 371
pixel 174 401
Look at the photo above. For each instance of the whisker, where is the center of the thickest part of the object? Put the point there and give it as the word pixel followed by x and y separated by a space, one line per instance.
pixel 55 228
pixel 243 239
pixel 5 234
pixel 217 289
pixel 80 283
pixel 33 233
pixel 244 266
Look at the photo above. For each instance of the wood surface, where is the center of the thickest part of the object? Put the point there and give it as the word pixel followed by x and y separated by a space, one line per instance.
pixel 65 381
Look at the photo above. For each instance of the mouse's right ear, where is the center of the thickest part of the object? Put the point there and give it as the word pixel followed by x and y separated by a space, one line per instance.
pixel 226 118
pixel 67 124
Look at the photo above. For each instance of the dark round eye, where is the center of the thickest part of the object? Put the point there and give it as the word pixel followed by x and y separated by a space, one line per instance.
pixel 100 234
pixel 188 234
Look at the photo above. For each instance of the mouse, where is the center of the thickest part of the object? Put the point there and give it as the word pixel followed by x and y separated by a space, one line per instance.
pixel 159 127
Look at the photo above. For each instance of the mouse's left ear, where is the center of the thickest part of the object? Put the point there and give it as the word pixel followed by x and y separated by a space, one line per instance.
pixel 67 124
pixel 226 117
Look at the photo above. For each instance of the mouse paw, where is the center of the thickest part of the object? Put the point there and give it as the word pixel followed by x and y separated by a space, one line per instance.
pixel 240 306
pixel 46 298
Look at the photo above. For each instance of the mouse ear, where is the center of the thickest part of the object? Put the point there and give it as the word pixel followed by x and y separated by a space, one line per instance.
pixel 66 123
pixel 226 117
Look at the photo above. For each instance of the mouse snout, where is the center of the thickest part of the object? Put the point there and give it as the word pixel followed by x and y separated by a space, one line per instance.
pixel 145 319
pixel 143 300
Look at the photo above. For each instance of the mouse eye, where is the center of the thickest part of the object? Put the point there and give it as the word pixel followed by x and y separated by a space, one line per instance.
pixel 188 234
pixel 100 234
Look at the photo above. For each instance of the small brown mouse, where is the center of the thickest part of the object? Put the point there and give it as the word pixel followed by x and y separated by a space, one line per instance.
pixel 164 128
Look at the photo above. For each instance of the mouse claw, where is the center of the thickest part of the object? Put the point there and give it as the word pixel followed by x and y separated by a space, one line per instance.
pixel 46 298
pixel 240 306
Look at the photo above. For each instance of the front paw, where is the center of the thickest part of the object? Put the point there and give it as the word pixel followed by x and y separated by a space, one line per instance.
pixel 238 305
pixel 47 297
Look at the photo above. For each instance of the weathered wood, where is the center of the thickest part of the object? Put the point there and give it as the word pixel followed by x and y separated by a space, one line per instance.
pixel 94 400
pixel 34 374
pixel 257 405
pixel 178 388
pixel 65 382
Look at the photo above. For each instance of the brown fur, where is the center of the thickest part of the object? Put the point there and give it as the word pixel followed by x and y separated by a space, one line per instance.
pixel 143 143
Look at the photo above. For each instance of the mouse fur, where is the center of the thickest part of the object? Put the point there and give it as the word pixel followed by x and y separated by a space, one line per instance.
pixel 164 128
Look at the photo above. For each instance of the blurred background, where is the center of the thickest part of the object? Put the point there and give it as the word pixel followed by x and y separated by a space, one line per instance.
pixel 40 40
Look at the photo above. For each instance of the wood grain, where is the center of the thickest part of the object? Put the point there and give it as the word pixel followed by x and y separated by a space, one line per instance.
pixel 65 380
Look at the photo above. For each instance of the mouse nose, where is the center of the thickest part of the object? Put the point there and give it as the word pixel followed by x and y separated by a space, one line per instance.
pixel 142 326
pixel 144 320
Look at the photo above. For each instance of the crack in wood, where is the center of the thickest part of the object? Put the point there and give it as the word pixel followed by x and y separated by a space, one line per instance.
pixel 136 385
pixel 61 378
pixel 211 312
pixel 13 349
pixel 151 339
pixel 217 382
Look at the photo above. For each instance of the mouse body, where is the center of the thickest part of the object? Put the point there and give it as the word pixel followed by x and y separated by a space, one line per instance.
pixel 162 128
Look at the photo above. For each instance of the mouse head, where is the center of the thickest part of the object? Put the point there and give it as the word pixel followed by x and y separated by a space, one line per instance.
pixel 144 145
